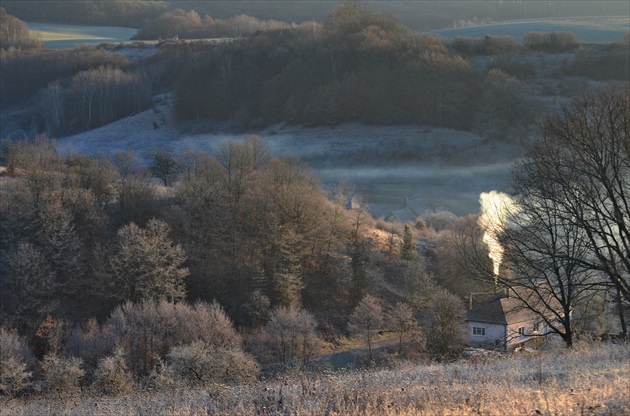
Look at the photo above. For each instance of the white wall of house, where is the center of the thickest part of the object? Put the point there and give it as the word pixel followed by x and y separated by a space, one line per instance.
pixel 492 333
pixel 515 336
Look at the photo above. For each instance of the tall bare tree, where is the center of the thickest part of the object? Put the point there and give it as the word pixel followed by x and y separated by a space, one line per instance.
pixel 570 232
pixel 404 325
pixel 544 259
pixel 583 158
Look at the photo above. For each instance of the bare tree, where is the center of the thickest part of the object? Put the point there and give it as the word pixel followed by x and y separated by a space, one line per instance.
pixel 404 324
pixel 444 325
pixel 292 336
pixel 15 361
pixel 366 319
pixel 568 232
pixel 52 101
pixel 583 160
pixel 543 260
pixel 14 33
pixel 164 166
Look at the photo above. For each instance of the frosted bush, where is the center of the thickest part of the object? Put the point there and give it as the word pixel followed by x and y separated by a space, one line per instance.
pixel 61 374
pixel 291 337
pixel 112 375
pixel 200 363
pixel 15 361
pixel 149 330
pixel 91 342
pixel 13 376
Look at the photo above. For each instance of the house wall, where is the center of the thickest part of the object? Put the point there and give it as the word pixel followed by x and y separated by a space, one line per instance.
pixel 514 338
pixel 493 332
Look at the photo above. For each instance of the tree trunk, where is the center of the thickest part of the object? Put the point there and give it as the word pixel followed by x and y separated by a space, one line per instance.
pixel 622 319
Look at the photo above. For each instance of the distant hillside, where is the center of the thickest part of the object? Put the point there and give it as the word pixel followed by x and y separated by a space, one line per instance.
pixel 126 13
pixel 587 30
pixel 418 15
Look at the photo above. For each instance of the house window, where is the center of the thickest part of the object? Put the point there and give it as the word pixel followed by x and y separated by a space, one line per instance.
pixel 479 331
pixel 521 331
pixel 536 326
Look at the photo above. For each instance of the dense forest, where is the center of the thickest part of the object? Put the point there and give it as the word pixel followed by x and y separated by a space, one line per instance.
pixel 241 227
pixel 94 252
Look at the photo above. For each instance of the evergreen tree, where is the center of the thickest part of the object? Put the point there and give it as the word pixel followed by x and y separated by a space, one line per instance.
pixel 359 277
pixel 408 249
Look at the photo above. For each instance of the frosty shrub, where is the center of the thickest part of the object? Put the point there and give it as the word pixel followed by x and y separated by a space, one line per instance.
pixel 160 377
pixel 61 374
pixel 208 323
pixel 551 41
pixel 13 376
pixel 11 344
pixel 291 337
pixel 112 375
pixel 15 361
pixel 90 342
pixel 439 220
pixel 201 363
pixel 149 330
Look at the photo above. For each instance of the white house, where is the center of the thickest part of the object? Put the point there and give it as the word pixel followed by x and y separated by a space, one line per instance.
pixel 502 322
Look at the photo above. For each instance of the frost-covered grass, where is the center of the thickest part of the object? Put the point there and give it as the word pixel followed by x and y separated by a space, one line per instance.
pixel 590 380
pixel 587 30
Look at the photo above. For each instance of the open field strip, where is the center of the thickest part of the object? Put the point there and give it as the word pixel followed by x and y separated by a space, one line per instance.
pixel 589 380
pixel 46 36
pixel 58 36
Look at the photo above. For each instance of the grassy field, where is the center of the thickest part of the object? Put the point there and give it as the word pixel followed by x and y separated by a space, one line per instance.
pixel 587 30
pixel 590 380
pixel 55 36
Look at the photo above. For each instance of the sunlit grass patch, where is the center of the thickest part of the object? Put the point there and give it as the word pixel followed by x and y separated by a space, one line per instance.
pixel 59 36
pixel 46 36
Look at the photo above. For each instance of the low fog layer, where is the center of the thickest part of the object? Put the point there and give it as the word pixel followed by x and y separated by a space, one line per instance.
pixel 437 168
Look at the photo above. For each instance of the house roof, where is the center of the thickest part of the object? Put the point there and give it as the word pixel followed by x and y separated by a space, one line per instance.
pixel 403 215
pixel 501 309
pixel 409 212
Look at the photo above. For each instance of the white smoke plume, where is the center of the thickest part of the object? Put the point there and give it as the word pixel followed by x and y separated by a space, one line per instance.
pixel 494 208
